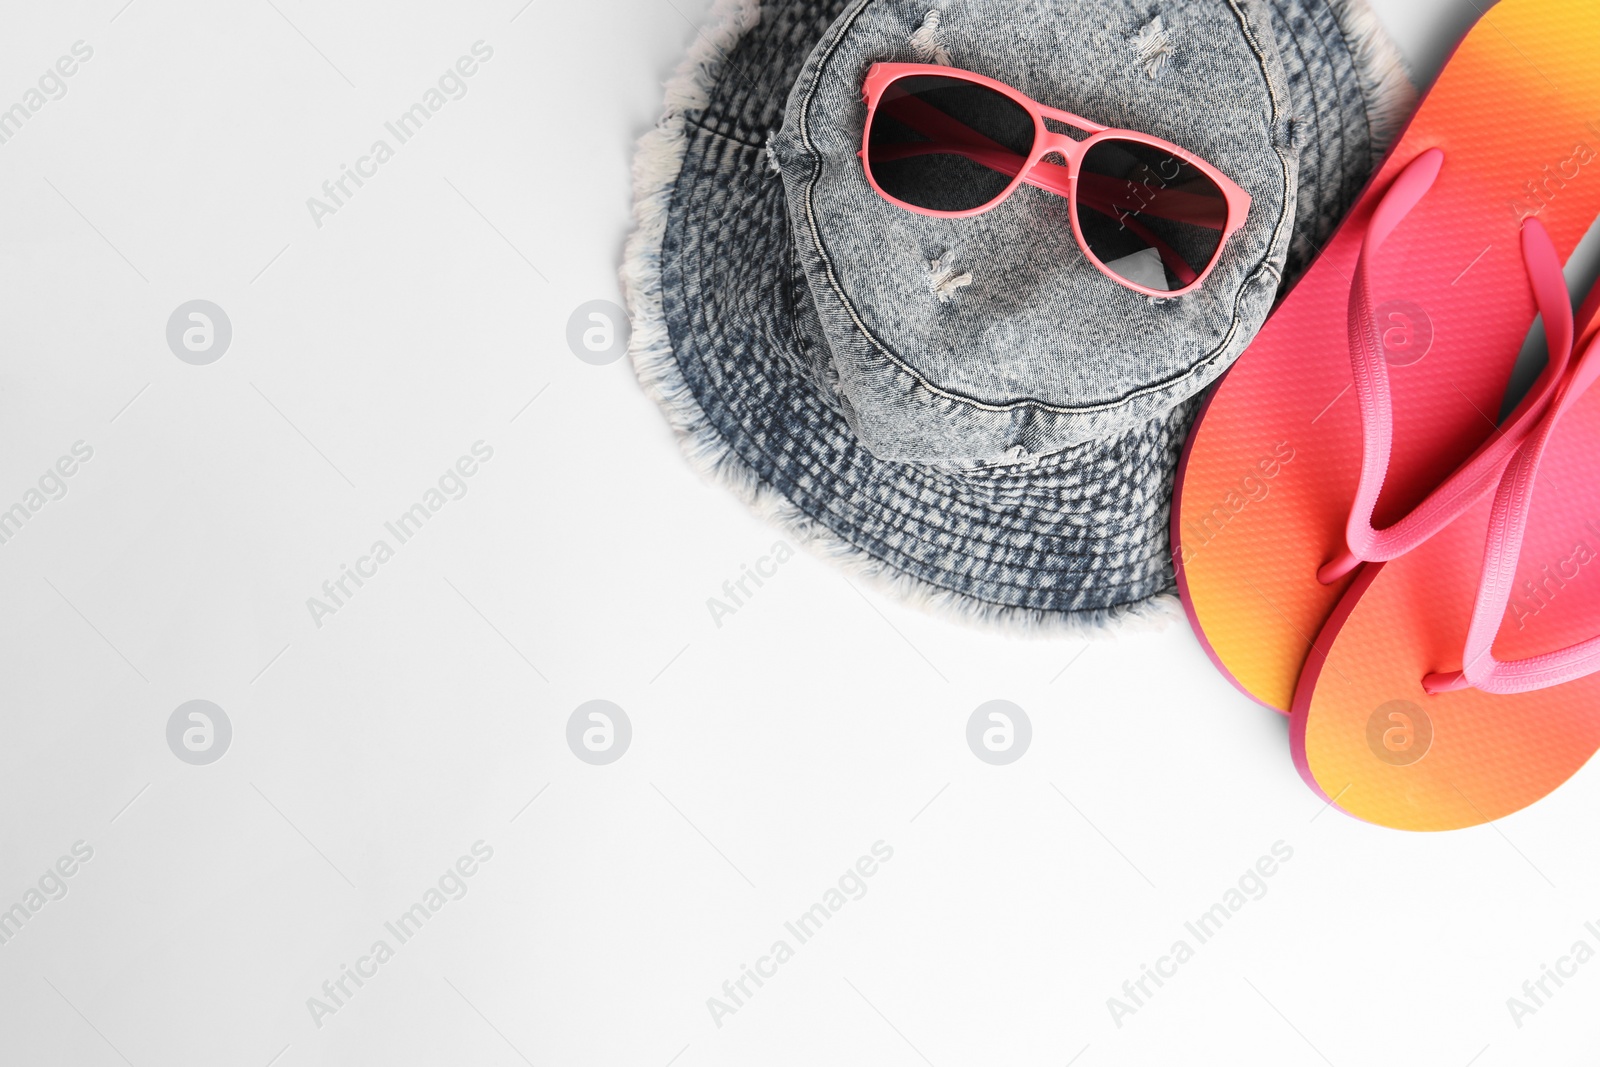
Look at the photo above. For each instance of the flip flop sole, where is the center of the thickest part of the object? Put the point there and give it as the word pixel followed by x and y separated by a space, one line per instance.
pixel 1267 478
pixel 1364 733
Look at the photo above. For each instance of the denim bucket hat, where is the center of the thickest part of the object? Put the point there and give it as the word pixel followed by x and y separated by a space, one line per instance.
pixel 966 409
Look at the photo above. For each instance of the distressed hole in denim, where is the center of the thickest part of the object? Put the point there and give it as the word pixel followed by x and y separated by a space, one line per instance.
pixel 1152 47
pixel 944 279
pixel 925 43
pixel 1019 457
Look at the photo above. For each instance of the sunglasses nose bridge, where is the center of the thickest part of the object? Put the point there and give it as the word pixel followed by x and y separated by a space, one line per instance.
pixel 1069 149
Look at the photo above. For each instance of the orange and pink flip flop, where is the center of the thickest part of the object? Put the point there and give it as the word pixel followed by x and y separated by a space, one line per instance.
pixel 1458 684
pixel 1346 478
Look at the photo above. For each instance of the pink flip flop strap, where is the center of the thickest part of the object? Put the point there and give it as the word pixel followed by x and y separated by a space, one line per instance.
pixel 1370 367
pixel 1508 523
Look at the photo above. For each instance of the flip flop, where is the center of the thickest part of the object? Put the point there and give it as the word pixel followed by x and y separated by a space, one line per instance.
pixel 1279 484
pixel 1459 684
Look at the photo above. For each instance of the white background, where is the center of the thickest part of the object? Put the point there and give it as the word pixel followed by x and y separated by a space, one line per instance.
pixel 768 754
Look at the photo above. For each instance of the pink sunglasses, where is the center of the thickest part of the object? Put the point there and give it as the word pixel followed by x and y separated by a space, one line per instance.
pixel 954 144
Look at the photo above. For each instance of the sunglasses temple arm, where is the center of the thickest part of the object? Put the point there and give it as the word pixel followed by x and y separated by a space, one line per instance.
pixel 1123 197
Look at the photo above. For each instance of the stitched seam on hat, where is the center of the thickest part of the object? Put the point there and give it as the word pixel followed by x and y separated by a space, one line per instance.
pixel 1285 227
pixel 1164 385
pixel 900 499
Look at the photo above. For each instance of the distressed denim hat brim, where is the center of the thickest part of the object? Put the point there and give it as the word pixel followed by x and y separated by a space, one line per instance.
pixel 729 338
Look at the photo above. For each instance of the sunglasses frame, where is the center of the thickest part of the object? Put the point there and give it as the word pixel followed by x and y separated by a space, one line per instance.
pixel 1050 176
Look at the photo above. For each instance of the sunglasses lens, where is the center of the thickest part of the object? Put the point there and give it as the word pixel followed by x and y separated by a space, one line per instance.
pixel 1148 216
pixel 943 144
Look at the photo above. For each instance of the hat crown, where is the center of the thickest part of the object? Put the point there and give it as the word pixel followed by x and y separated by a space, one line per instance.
pixel 992 338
